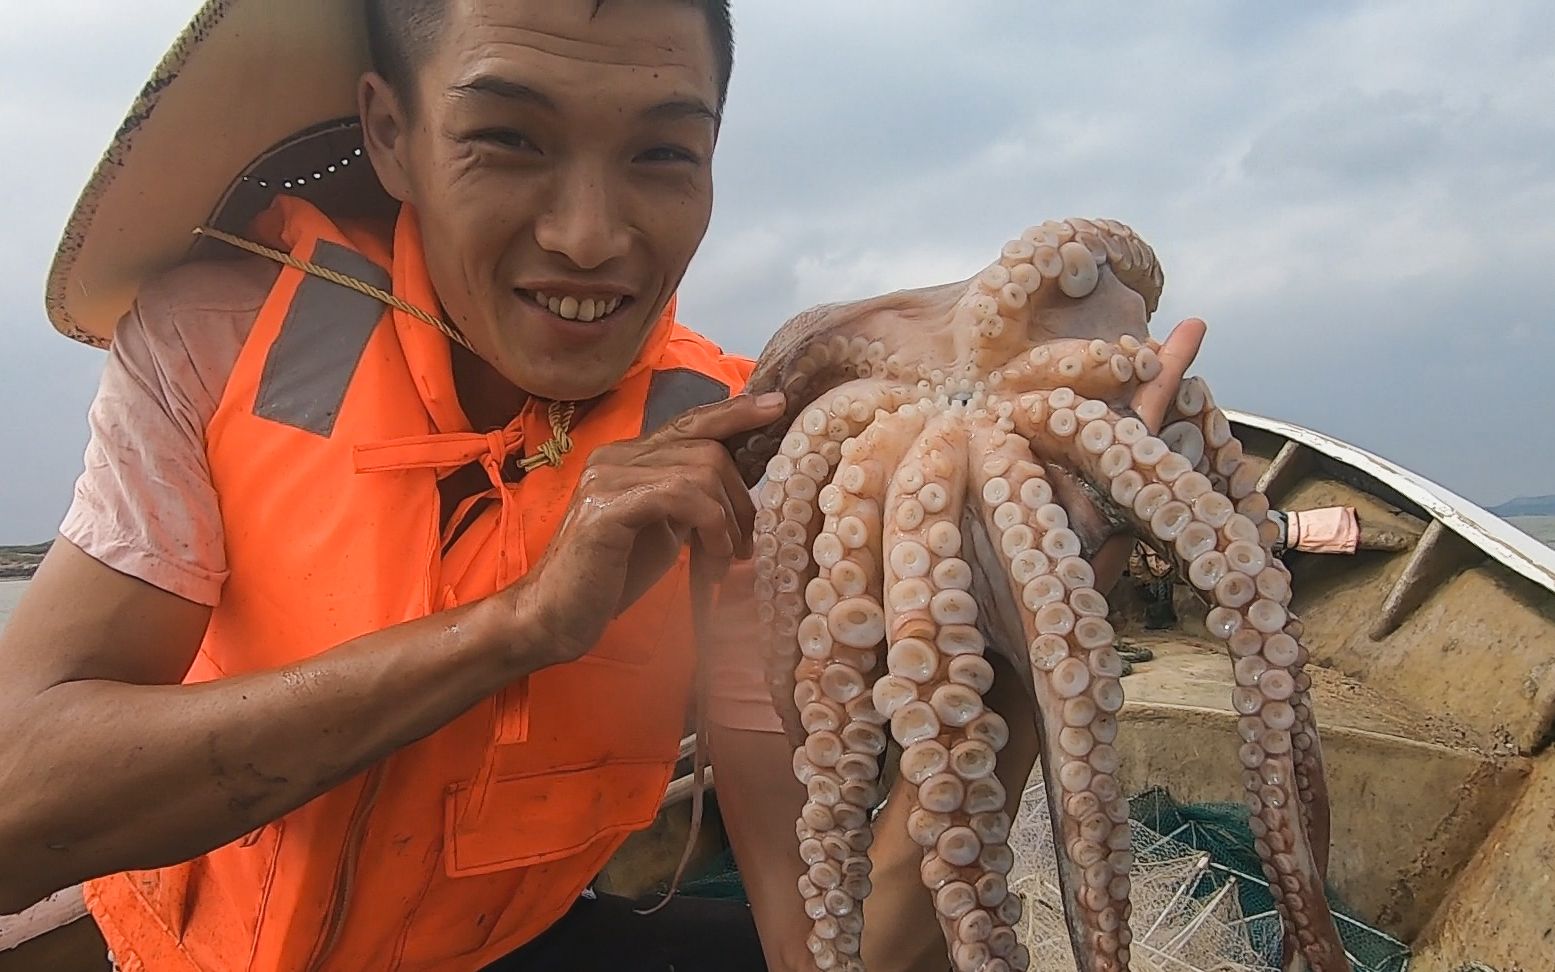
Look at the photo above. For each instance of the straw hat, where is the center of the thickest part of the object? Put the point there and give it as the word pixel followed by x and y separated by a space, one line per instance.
pixel 255 97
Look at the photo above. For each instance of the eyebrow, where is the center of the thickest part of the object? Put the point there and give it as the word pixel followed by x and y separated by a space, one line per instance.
pixel 504 88
pixel 673 109
pixel 678 108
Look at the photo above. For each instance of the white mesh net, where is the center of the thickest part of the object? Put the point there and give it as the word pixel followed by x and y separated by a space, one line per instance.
pixel 1182 921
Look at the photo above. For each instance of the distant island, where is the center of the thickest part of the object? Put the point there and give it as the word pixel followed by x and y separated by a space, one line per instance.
pixel 1526 506
pixel 17 563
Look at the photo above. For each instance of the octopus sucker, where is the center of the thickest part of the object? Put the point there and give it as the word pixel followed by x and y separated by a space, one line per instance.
pixel 950 460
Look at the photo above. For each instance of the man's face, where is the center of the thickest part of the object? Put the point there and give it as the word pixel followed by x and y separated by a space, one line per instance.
pixel 560 163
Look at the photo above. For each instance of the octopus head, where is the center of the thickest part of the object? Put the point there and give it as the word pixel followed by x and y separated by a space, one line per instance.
pixel 1064 289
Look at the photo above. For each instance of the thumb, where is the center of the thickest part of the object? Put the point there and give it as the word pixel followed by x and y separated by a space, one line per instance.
pixel 1154 398
pixel 721 420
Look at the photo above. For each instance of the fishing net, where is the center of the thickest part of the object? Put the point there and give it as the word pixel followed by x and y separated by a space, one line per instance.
pixel 1201 903
pixel 720 879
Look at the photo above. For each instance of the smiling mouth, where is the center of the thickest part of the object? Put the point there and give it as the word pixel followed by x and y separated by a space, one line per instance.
pixel 586 310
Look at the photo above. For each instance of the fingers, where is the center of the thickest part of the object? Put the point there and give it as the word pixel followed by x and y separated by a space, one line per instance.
pixel 722 420
pixel 729 541
pixel 740 503
pixel 1154 398
pixel 678 483
pixel 698 434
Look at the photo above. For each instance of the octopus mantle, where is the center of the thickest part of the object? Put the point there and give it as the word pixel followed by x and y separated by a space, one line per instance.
pixel 928 510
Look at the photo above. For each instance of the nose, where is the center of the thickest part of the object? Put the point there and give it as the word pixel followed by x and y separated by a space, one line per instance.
pixel 583 222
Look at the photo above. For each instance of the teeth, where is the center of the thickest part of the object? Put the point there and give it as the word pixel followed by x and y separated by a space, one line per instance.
pixel 585 309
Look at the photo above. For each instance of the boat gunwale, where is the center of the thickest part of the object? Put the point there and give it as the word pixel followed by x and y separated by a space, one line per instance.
pixel 1515 550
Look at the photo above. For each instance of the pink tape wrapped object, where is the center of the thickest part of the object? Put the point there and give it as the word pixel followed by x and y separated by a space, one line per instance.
pixel 1333 530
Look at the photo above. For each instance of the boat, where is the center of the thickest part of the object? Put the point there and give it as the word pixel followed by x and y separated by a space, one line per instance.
pixel 1433 663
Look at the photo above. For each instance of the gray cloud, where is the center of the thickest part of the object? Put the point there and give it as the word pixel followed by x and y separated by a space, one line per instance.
pixel 1356 200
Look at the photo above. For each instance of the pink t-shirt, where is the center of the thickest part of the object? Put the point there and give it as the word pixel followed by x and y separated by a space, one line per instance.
pixel 145 504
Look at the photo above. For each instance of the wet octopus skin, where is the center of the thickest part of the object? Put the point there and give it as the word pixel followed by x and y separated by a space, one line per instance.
pixel 908 525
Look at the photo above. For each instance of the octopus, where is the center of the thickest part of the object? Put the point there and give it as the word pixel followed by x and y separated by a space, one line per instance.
pixel 927 507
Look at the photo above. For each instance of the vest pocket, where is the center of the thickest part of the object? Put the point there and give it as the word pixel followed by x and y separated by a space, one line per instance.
pixel 532 819
pixel 211 906
pixel 166 892
pixel 244 869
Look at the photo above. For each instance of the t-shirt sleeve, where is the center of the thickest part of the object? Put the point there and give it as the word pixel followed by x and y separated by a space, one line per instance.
pixel 145 504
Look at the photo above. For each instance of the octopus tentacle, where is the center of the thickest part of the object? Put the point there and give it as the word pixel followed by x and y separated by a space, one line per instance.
pixel 1038 285
pixel 1195 421
pixel 1075 677
pixel 1092 368
pixel 839 762
pixel 786 526
pixel 1219 550
pixel 1197 429
pixel 933 695
pixel 824 364
pixel 1311 778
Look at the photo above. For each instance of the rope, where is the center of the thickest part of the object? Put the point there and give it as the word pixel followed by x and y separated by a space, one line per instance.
pixel 550 453
pixel 559 414
pixel 336 277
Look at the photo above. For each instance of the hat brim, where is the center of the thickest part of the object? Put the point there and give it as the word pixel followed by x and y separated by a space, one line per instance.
pixel 244 79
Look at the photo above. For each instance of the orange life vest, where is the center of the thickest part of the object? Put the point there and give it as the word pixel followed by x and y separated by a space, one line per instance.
pixel 326 451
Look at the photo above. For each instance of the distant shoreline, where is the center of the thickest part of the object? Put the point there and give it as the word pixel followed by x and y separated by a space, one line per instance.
pixel 1525 506
pixel 20 563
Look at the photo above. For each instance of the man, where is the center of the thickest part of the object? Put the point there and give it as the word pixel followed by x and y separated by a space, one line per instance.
pixel 368 639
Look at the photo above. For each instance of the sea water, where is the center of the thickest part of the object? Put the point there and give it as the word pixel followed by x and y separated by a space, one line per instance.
pixel 10 593
pixel 1539 527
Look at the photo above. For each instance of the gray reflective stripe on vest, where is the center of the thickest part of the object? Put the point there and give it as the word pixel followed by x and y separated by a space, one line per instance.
pixel 676 390
pixel 313 359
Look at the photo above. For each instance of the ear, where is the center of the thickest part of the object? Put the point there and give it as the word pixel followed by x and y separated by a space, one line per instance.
pixel 385 127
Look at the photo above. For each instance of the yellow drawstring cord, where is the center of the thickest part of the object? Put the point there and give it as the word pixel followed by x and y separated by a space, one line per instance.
pixel 559 414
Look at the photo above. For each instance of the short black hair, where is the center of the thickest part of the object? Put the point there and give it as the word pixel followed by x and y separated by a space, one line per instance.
pixel 400 33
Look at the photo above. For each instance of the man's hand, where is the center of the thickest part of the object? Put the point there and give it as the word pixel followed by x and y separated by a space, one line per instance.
pixel 636 506
pixel 1153 399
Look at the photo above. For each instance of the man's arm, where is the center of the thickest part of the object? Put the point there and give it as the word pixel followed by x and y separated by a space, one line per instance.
pixel 759 800
pixel 758 797
pixel 107 765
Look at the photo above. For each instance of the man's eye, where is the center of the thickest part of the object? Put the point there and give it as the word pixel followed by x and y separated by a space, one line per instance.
pixel 506 138
pixel 667 153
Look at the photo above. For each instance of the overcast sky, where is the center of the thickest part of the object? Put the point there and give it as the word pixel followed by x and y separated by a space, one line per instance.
pixel 1359 199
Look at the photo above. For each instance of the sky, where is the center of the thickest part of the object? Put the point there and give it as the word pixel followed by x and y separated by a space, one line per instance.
pixel 1357 198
